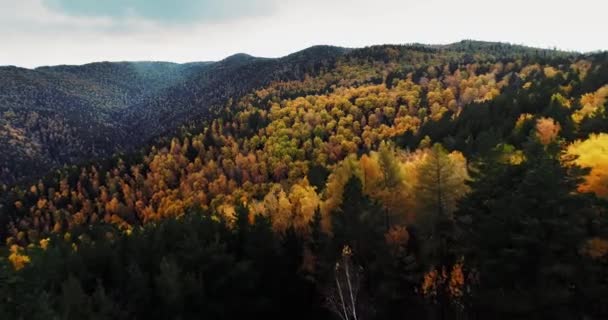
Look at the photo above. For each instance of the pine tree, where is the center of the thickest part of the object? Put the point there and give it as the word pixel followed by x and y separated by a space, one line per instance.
pixel 358 223
pixel 441 182
pixel 523 226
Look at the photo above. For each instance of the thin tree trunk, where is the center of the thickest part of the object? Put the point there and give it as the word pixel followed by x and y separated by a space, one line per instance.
pixel 341 298
pixel 350 290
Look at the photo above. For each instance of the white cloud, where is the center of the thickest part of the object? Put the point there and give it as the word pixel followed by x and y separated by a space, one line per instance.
pixel 33 35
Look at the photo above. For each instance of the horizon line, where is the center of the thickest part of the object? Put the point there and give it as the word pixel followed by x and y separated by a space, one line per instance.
pixel 432 45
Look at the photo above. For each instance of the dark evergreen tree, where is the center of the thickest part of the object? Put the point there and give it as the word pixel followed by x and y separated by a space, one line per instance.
pixel 523 226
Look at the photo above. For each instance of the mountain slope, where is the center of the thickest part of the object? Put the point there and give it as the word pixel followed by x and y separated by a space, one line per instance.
pixel 279 133
pixel 54 116
pixel 212 88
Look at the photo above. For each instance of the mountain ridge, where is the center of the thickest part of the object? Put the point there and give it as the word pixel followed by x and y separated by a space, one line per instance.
pixel 452 45
pixel 98 105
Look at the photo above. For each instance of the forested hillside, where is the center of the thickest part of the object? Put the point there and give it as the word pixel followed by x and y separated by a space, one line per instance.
pixel 467 181
pixel 52 116
pixel 63 115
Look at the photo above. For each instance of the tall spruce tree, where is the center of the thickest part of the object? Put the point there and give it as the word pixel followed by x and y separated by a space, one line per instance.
pixel 523 226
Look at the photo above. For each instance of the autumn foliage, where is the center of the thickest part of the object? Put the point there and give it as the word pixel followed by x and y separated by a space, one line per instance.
pixel 441 182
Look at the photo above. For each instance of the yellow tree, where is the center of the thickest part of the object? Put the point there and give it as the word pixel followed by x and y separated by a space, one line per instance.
pixel 441 181
pixel 593 153
pixel 591 103
pixel 393 193
pixel 304 201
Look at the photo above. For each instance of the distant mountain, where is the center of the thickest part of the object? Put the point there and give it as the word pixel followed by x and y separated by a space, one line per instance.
pixel 59 115
pixel 52 116
pixel 211 88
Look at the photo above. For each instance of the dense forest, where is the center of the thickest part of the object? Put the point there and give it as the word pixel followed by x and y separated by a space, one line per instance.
pixel 64 115
pixel 464 181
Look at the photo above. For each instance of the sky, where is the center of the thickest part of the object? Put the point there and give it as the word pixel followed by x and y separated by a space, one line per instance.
pixel 50 32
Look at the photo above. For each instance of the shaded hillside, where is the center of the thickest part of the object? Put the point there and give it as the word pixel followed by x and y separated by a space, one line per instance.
pixel 208 91
pixel 52 116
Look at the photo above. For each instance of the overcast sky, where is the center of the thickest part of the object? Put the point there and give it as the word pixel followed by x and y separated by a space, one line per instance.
pixel 50 32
